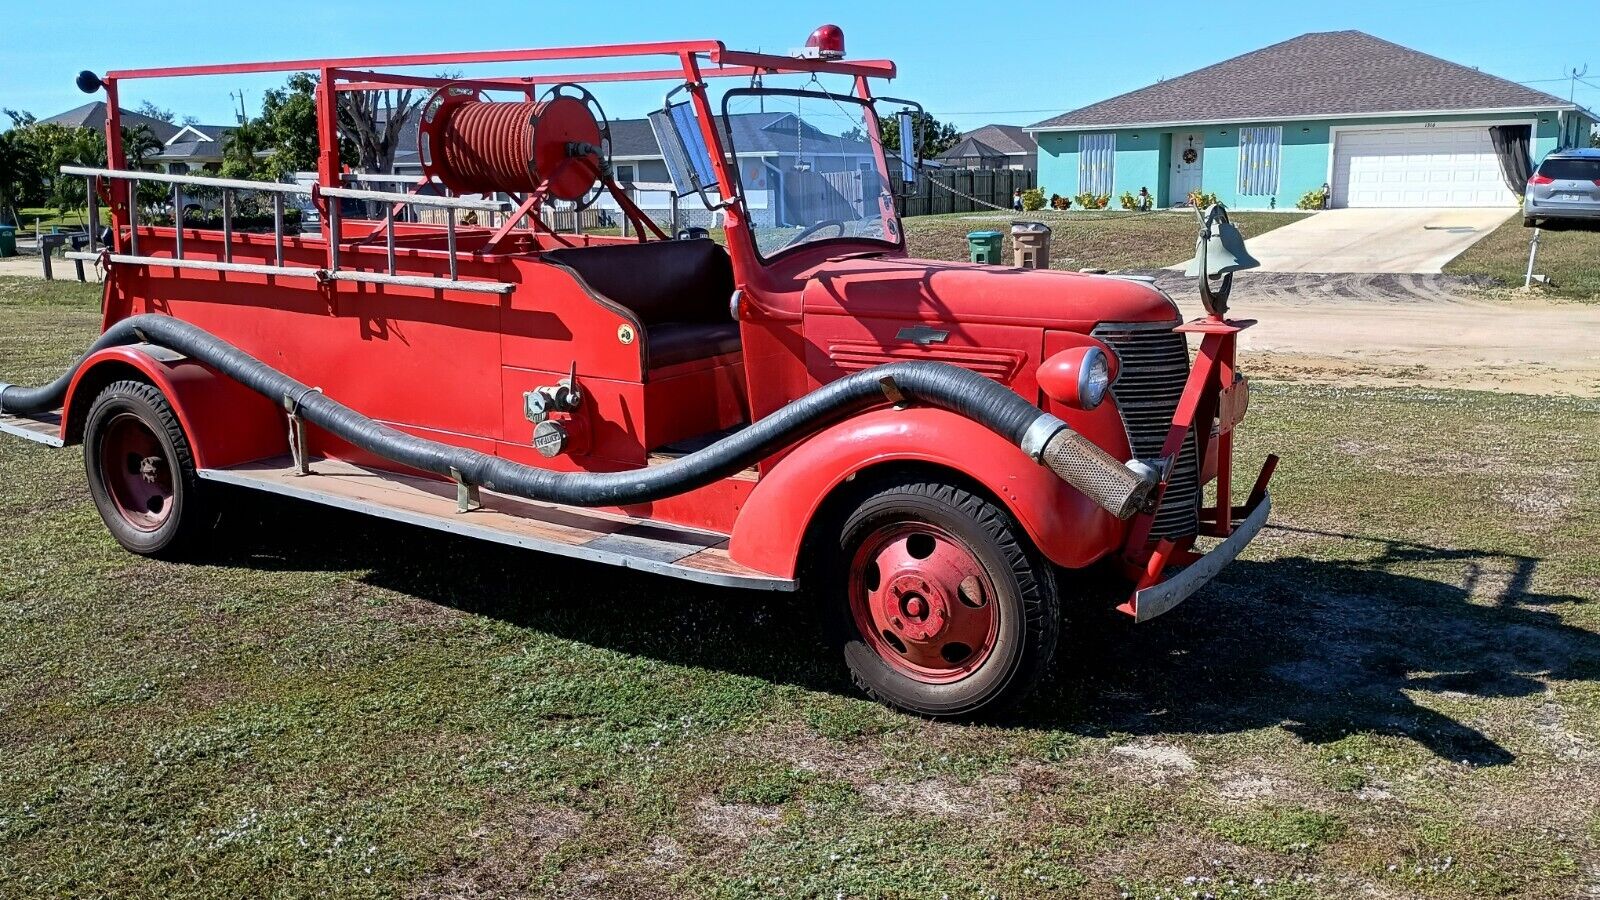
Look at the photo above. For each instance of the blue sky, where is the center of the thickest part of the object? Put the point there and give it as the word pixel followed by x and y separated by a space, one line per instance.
pixel 969 69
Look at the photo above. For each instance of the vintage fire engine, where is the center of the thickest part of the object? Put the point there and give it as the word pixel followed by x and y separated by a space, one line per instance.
pixel 936 451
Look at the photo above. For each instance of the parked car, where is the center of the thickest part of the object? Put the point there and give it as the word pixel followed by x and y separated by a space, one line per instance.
pixel 1565 186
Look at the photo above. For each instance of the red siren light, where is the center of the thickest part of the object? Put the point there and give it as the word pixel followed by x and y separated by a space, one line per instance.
pixel 827 42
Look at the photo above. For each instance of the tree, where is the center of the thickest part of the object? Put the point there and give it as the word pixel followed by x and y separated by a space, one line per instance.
pixel 20 172
pixel 152 111
pixel 288 126
pixel 375 120
pixel 934 136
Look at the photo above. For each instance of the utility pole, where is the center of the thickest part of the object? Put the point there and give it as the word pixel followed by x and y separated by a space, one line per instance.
pixel 239 95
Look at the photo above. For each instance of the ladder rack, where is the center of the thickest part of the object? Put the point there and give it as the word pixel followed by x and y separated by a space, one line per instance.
pixel 332 272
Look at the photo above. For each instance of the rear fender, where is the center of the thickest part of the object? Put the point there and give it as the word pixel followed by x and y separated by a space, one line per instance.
pixel 226 423
pixel 1067 527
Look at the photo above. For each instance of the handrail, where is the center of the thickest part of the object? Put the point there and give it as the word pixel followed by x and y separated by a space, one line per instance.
pixel 417 199
pixel 236 184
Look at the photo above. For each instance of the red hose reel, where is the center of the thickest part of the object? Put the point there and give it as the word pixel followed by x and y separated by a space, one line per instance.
pixel 560 142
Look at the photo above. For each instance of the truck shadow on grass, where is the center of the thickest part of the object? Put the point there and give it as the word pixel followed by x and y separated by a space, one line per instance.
pixel 1325 647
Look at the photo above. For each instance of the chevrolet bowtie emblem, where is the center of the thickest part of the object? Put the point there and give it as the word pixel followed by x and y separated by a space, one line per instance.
pixel 922 334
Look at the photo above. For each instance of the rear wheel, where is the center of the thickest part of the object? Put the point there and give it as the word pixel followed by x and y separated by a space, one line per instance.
pixel 1529 222
pixel 141 472
pixel 948 611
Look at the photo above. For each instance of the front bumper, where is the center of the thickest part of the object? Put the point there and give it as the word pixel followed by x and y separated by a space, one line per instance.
pixel 1152 601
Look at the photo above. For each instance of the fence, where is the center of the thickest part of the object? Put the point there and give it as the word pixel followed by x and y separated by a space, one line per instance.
pixel 949 190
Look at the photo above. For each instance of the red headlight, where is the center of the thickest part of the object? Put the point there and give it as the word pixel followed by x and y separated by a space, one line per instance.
pixel 1079 377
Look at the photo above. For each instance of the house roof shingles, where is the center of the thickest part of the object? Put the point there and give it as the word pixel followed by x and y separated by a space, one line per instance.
pixel 1010 140
pixel 93 115
pixel 1328 73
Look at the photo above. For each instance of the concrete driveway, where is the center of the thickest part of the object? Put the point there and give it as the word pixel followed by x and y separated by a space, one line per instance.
pixel 1418 241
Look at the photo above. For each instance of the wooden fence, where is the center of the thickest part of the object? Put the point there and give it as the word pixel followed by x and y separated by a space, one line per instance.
pixel 951 190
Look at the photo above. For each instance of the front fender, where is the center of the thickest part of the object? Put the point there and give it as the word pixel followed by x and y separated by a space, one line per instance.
pixel 226 423
pixel 1067 527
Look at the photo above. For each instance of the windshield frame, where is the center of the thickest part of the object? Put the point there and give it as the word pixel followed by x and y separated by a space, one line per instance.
pixel 873 137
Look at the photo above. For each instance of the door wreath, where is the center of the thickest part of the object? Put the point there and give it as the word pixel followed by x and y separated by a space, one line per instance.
pixel 1189 155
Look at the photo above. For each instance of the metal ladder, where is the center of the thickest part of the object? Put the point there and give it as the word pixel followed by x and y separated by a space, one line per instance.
pixel 333 271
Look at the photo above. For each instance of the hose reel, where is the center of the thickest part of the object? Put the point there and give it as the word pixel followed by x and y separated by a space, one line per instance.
pixel 560 143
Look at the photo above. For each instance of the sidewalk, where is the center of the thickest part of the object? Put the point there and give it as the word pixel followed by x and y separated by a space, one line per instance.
pixel 30 266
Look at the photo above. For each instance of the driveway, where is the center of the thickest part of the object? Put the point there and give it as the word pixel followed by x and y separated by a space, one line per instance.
pixel 1409 241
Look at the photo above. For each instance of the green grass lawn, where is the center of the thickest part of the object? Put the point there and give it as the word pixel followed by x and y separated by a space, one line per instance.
pixel 1395 693
pixel 1080 240
pixel 48 217
pixel 1570 257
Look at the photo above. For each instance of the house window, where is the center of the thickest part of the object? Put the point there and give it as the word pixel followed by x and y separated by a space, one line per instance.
pixel 1260 152
pixel 625 173
pixel 1097 154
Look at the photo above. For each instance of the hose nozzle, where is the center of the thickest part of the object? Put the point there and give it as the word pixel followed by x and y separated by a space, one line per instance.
pixel 1121 489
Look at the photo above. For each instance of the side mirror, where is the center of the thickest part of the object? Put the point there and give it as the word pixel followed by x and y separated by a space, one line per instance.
pixel 683 147
pixel 910 157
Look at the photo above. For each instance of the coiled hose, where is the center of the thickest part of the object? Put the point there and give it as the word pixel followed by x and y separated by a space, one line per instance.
pixel 1119 488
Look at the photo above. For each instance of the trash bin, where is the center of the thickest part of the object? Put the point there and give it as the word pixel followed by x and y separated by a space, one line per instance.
pixel 8 241
pixel 984 246
pixel 1030 245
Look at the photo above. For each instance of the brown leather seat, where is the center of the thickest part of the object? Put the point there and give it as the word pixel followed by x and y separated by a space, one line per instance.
pixel 679 291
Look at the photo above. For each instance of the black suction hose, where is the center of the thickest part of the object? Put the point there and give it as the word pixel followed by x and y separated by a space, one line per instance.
pixel 936 384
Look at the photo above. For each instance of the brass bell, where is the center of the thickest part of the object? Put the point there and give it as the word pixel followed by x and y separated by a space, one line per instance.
pixel 1223 251
pixel 1219 251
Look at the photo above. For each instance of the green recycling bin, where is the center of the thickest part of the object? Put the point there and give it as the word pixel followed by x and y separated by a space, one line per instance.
pixel 8 241
pixel 984 246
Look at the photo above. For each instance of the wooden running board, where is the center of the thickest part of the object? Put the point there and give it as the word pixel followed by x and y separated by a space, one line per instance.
pixel 565 530
pixel 44 428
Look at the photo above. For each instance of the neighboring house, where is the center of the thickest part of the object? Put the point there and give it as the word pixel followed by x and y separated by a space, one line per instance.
pixel 1381 124
pixel 193 148
pixel 184 148
pixel 994 147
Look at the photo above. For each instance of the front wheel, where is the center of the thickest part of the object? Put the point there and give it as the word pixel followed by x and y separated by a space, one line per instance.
pixel 948 611
pixel 141 472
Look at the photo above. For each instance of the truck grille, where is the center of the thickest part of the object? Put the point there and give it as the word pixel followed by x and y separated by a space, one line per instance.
pixel 1154 367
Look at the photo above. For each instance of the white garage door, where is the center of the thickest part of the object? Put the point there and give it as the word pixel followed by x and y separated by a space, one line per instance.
pixel 1418 167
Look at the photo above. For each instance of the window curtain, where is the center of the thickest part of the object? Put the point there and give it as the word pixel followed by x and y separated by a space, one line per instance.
pixel 1511 145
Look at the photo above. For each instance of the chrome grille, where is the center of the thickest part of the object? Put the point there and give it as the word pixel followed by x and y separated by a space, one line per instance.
pixel 1154 365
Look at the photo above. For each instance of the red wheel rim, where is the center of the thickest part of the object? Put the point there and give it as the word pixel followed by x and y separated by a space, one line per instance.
pixel 923 602
pixel 138 477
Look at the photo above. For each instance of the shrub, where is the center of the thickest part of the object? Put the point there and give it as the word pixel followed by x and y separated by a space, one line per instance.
pixel 1059 202
pixel 1128 200
pixel 1200 199
pixel 1087 200
pixel 1314 199
pixel 1033 199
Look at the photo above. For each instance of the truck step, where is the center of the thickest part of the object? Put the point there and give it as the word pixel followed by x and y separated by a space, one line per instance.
pixel 43 428
pixel 564 530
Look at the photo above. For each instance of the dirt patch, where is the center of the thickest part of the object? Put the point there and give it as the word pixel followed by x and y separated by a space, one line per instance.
pixel 502 852
pixel 735 822
pixel 946 798
pixel 1152 761
pixel 1426 330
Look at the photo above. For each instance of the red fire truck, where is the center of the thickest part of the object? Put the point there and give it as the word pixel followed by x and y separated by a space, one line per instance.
pixel 936 451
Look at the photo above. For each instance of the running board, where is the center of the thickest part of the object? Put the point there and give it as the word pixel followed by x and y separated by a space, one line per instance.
pixel 44 428
pixel 563 530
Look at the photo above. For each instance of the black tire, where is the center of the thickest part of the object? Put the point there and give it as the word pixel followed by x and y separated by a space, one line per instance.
pixel 1529 222
pixel 185 515
pixel 1024 599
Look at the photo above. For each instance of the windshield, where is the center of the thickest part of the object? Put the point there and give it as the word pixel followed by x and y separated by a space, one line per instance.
pixel 809 168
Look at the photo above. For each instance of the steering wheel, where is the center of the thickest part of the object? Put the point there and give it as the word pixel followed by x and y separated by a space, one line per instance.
pixel 836 223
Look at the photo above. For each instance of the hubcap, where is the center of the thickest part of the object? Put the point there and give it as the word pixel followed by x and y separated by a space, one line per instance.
pixel 923 602
pixel 137 476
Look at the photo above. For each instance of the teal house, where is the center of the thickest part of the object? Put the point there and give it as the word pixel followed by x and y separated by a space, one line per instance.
pixel 1378 124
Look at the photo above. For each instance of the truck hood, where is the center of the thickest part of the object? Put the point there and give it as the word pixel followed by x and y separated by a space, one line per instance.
pixel 970 293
